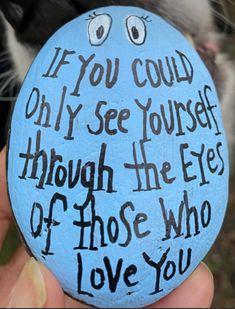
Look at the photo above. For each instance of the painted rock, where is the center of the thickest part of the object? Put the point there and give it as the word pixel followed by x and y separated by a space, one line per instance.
pixel 117 163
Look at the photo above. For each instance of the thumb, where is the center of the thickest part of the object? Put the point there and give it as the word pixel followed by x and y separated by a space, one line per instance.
pixel 36 287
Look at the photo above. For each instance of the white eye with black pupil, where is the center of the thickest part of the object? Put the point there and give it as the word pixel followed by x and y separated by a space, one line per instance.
pixel 136 30
pixel 99 28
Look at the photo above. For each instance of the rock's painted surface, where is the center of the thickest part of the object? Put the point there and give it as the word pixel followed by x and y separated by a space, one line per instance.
pixel 117 166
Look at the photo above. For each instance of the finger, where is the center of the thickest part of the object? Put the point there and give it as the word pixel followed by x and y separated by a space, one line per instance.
pixel 195 292
pixel 71 303
pixel 18 260
pixel 55 296
pixel 9 274
pixel 17 273
pixel 35 287
pixel 5 213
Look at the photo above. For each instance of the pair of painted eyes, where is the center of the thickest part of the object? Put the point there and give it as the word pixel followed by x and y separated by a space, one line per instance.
pixel 100 25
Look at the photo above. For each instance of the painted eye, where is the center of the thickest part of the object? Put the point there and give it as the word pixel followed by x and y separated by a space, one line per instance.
pixel 136 29
pixel 99 28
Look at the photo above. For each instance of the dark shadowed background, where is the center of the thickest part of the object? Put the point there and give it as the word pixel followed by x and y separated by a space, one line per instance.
pixel 221 258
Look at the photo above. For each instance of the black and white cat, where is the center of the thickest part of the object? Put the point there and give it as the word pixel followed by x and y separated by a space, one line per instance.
pixel 29 24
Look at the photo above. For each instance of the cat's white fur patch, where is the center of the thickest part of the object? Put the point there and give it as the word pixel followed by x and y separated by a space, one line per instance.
pixel 22 56
pixel 228 95
pixel 195 16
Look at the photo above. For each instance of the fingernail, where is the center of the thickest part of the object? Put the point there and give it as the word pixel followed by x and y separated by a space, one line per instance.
pixel 206 266
pixel 29 290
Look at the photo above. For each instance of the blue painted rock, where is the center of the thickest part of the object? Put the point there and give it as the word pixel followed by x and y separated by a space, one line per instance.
pixel 117 164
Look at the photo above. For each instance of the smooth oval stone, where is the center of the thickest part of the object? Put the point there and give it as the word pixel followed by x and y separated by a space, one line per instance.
pixel 117 162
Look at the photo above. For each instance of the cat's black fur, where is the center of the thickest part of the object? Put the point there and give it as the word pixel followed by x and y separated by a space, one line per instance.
pixel 34 21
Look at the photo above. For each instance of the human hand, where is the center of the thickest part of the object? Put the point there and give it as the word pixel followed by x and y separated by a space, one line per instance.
pixel 25 283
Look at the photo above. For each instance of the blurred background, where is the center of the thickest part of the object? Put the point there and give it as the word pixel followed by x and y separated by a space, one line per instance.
pixel 221 258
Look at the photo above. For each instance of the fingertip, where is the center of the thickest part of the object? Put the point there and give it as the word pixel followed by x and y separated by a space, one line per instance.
pixel 5 213
pixel 207 286
pixel 3 190
pixel 71 303
pixel 55 294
